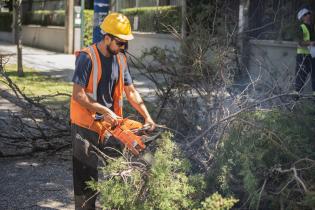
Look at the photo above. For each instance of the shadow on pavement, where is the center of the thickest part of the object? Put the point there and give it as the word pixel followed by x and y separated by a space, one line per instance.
pixel 30 183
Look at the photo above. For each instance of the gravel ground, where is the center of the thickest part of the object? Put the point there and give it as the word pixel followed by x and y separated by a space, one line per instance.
pixel 36 182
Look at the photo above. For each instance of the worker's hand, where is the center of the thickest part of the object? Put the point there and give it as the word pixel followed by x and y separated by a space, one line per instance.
pixel 150 122
pixel 111 118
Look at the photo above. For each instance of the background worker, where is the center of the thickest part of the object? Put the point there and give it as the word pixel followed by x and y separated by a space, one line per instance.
pixel 100 78
pixel 305 64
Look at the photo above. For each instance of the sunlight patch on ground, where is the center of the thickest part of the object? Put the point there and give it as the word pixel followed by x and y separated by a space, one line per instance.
pixel 48 203
pixel 24 163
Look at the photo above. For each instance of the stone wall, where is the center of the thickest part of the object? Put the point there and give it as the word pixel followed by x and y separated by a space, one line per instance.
pixel 50 38
pixel 274 63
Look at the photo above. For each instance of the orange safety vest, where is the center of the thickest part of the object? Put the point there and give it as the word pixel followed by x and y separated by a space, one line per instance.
pixel 80 115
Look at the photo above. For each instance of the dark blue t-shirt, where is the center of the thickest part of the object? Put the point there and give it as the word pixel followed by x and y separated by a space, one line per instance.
pixel 105 89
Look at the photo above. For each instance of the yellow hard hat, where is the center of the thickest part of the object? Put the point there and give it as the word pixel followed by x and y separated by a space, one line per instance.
pixel 118 25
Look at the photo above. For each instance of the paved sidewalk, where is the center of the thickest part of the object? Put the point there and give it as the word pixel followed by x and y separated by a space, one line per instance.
pixel 57 64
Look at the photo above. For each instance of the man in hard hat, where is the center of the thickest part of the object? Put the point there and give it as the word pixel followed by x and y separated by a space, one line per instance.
pixel 304 61
pixel 100 78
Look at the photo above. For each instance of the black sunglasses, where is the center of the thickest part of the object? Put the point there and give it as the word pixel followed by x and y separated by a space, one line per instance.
pixel 118 42
pixel 307 14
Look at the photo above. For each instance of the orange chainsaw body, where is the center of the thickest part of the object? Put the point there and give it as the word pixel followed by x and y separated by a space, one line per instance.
pixel 124 133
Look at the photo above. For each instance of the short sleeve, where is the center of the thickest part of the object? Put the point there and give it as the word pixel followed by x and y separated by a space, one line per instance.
pixel 127 76
pixel 83 65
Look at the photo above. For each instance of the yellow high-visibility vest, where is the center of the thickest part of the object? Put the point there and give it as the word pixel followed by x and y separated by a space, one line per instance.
pixel 306 37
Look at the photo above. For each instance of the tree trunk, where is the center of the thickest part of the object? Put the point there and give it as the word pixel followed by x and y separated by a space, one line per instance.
pixel 18 40
pixel 30 5
pixel 243 43
pixel 69 27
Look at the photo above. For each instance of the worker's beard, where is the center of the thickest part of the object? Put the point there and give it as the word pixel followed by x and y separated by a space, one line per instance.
pixel 111 51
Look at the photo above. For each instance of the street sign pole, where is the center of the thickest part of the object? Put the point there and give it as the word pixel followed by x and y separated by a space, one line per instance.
pixel 101 9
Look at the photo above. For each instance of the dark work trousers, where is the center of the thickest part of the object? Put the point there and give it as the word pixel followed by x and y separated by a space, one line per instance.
pixel 305 65
pixel 85 162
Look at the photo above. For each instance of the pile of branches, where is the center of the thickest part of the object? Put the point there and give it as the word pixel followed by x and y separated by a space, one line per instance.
pixel 31 126
pixel 203 89
pixel 202 86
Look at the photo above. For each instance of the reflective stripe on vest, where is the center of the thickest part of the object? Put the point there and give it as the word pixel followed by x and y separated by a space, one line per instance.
pixel 82 116
pixel 121 61
pixel 95 73
pixel 306 37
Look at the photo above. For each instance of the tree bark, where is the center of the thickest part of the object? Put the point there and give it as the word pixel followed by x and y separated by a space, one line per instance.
pixel 18 38
pixel 243 43
pixel 69 45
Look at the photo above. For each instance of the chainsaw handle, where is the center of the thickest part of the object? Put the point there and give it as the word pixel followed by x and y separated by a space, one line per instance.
pixel 99 117
pixel 146 127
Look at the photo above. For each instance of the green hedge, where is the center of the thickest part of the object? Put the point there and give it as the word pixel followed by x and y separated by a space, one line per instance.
pixel 57 18
pixel 88 27
pixel 155 19
pixel 45 17
pixel 5 21
pixel 167 15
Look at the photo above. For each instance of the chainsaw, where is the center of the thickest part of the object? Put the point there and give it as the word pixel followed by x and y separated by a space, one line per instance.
pixel 132 134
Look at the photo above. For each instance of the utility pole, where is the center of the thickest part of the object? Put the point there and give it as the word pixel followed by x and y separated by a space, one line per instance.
pixel 17 32
pixel 69 26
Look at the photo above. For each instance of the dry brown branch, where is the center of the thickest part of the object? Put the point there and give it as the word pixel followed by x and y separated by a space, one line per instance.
pixel 35 127
pixel 260 193
pixel 238 113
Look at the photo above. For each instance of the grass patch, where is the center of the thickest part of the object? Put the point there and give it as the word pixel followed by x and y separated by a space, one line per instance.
pixel 36 85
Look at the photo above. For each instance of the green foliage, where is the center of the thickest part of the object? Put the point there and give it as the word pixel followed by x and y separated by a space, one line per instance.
pixel 167 182
pixel 5 21
pixel 118 192
pixel 257 148
pixel 220 17
pixel 155 19
pixel 45 18
pixel 309 199
pixel 217 202
pixel 57 18
pixel 163 185
pixel 88 27
pixel 151 19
